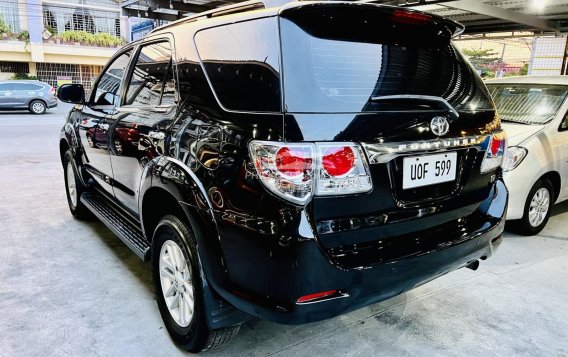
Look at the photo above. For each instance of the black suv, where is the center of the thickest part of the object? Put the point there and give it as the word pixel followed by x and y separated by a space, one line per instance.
pixel 291 163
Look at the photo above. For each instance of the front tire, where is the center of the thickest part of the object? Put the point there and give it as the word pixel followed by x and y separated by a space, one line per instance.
pixel 537 209
pixel 37 107
pixel 179 291
pixel 74 188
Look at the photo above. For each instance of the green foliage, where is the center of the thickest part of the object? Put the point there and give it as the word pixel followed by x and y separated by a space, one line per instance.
pixel 481 59
pixel 24 36
pixel 100 39
pixel 524 70
pixel 4 27
pixel 24 76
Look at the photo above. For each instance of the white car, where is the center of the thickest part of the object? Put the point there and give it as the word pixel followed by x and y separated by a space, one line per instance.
pixel 533 113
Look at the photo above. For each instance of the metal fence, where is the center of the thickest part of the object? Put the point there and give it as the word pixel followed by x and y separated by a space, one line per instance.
pixel 515 55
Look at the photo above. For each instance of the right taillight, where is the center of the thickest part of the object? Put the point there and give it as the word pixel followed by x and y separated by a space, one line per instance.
pixel 297 171
pixel 343 170
pixel 495 147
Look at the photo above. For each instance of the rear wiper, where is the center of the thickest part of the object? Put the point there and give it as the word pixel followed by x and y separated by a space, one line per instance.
pixel 428 98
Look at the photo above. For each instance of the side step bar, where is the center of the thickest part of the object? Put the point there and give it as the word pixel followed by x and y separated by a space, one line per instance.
pixel 124 228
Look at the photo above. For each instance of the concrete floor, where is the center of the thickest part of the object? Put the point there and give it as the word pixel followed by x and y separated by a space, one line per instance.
pixel 72 288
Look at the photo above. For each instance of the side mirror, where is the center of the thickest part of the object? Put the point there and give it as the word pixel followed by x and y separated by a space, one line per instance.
pixel 71 93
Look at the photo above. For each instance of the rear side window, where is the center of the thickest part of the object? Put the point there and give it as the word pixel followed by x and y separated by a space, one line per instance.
pixel 353 58
pixel 5 87
pixel 152 77
pixel 242 62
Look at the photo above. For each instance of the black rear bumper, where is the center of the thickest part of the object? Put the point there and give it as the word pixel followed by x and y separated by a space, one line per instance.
pixel 269 288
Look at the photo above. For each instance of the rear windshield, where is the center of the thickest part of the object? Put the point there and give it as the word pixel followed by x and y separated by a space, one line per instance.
pixel 527 103
pixel 344 59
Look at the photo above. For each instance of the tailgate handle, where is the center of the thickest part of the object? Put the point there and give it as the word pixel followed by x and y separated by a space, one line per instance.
pixel 426 98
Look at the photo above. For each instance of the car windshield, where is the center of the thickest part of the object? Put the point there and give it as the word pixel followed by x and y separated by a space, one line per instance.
pixel 527 103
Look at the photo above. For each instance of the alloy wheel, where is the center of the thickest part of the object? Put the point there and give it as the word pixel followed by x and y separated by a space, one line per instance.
pixel 539 206
pixel 38 107
pixel 71 185
pixel 175 280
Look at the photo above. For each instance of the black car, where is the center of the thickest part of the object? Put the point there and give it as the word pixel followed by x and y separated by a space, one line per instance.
pixel 291 163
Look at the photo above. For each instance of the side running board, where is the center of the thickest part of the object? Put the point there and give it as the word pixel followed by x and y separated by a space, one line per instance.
pixel 116 221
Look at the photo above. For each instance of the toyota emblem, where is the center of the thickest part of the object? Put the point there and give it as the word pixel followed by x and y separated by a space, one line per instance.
pixel 439 126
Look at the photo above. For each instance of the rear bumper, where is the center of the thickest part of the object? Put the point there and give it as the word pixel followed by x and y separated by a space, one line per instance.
pixel 269 287
pixel 52 102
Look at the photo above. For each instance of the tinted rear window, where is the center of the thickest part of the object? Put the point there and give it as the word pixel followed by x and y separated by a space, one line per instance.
pixel 338 59
pixel 242 62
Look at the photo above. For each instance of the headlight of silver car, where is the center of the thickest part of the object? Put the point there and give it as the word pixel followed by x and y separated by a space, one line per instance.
pixel 513 157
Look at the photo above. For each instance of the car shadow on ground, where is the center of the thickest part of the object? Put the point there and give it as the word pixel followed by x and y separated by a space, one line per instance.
pixel 559 209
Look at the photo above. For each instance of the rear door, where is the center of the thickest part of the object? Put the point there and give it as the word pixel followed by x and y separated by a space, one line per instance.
pixel 5 95
pixel 96 115
pixel 23 93
pixel 137 130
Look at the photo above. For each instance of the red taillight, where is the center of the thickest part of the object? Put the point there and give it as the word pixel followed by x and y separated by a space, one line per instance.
pixel 293 162
pixel 338 161
pixel 495 147
pixel 51 90
pixel 410 17
pixel 298 171
pixel 316 296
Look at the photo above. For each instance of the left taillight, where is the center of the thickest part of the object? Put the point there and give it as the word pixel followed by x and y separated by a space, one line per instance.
pixel 495 146
pixel 285 170
pixel 298 171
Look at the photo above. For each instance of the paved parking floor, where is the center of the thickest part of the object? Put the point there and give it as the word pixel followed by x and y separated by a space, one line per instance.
pixel 70 288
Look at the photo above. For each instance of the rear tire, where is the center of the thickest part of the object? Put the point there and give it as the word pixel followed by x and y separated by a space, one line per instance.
pixel 537 209
pixel 179 291
pixel 74 188
pixel 37 107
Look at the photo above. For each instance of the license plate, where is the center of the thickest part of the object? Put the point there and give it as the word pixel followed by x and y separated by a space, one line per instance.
pixel 427 170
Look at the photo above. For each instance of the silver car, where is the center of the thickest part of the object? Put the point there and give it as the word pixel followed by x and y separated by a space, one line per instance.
pixel 35 96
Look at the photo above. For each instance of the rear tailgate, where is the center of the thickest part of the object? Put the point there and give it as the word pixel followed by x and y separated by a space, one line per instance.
pixel 380 76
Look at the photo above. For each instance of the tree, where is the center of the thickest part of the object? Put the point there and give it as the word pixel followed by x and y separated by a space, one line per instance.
pixel 482 59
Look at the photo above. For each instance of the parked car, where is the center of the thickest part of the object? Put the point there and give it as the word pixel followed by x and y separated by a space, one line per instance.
pixel 35 96
pixel 534 115
pixel 291 163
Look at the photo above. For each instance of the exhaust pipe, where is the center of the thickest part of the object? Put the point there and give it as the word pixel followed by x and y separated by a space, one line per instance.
pixel 473 265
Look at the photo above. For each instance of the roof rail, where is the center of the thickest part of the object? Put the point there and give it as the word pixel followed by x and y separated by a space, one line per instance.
pixel 227 10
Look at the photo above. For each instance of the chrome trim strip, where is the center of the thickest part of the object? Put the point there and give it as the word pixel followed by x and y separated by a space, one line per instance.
pixel 430 98
pixel 379 153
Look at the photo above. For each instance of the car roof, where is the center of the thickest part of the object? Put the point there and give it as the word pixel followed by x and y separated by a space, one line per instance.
pixel 248 10
pixel 559 80
pixel 32 81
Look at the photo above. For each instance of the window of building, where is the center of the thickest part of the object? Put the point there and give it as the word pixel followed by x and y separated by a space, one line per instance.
pixel 14 67
pixel 152 70
pixel 81 74
pixel 10 14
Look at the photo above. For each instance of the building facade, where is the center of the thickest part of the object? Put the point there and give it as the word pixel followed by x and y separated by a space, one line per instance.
pixel 59 40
